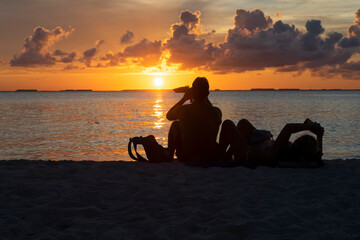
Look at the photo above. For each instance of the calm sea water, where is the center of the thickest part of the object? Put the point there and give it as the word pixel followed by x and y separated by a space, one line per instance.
pixel 97 125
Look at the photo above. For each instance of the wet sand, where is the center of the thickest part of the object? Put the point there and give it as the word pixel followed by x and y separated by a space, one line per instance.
pixel 131 200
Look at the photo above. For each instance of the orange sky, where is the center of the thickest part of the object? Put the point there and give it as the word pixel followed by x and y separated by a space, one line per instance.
pixel 93 46
pixel 113 81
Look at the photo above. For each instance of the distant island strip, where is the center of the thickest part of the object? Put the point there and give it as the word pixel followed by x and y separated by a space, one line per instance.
pixel 178 90
pixel 66 90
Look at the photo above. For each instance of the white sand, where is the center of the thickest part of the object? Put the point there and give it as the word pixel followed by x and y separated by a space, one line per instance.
pixel 127 200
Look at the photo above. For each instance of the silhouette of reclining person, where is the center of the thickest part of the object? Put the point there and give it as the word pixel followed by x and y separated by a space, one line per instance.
pixel 193 133
pixel 305 151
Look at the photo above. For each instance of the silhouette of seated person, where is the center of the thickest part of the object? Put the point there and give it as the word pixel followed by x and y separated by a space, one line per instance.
pixel 304 150
pixel 193 133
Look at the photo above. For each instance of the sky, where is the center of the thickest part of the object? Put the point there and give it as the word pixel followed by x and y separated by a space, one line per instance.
pixel 147 44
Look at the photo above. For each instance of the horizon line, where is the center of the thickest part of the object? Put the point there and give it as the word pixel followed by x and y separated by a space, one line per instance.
pixel 167 89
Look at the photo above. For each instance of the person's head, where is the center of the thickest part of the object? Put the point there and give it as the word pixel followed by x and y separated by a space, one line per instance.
pixel 305 148
pixel 200 88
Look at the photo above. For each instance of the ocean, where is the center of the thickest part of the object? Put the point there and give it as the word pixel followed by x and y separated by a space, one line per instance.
pixel 97 125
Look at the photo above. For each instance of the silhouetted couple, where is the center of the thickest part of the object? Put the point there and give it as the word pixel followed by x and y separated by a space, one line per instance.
pixel 193 135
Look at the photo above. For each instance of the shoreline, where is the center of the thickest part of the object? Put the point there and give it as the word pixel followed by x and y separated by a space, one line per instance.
pixel 133 200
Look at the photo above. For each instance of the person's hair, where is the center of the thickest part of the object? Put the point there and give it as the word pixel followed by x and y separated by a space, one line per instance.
pixel 306 148
pixel 200 88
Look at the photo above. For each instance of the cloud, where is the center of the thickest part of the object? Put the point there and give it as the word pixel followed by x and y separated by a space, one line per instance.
pixel 71 67
pixel 185 46
pixel 245 50
pixel 348 70
pixel 68 58
pixel 128 37
pixel 257 44
pixel 251 20
pixel 35 51
pixel 144 53
pixel 64 56
pixel 143 48
pixel 113 59
pixel 350 42
pixel 310 40
pixel 59 53
pixel 190 20
pixel 353 39
pixel 354 30
pixel 98 43
pixel 89 54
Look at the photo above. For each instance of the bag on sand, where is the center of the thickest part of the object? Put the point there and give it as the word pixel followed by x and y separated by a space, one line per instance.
pixel 155 153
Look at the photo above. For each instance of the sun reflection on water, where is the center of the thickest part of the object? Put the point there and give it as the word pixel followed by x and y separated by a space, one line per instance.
pixel 159 111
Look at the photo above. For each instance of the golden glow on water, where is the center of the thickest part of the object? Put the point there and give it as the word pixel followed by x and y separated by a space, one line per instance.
pixel 159 112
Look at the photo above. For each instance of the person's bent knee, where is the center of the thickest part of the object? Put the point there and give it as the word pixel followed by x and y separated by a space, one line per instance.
pixel 243 122
pixel 228 123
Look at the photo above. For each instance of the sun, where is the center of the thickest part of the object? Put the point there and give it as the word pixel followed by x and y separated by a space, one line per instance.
pixel 158 82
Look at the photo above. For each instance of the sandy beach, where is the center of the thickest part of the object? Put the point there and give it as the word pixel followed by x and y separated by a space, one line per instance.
pixel 131 200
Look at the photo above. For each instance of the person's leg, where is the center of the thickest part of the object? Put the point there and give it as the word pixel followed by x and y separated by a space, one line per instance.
pixel 245 128
pixel 230 136
pixel 282 142
pixel 174 138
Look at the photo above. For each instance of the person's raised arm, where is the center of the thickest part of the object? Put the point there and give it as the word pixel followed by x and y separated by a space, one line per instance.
pixel 318 130
pixel 292 128
pixel 174 112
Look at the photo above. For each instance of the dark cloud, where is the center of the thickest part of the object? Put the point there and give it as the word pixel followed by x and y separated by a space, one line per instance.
pixel 144 53
pixel 314 27
pixel 353 39
pixel 281 46
pixel 274 47
pixel 185 46
pixel 352 66
pixel 89 54
pixel 59 53
pixel 349 70
pixel 98 43
pixel 35 50
pixel 71 67
pixel 128 37
pixel 354 30
pixel 189 19
pixel 113 59
pixel 255 42
pixel 310 40
pixel 252 20
pixel 350 42
pixel 64 56
pixel 143 48
pixel 69 58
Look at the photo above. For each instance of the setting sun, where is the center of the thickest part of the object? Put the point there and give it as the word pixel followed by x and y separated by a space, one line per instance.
pixel 158 82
